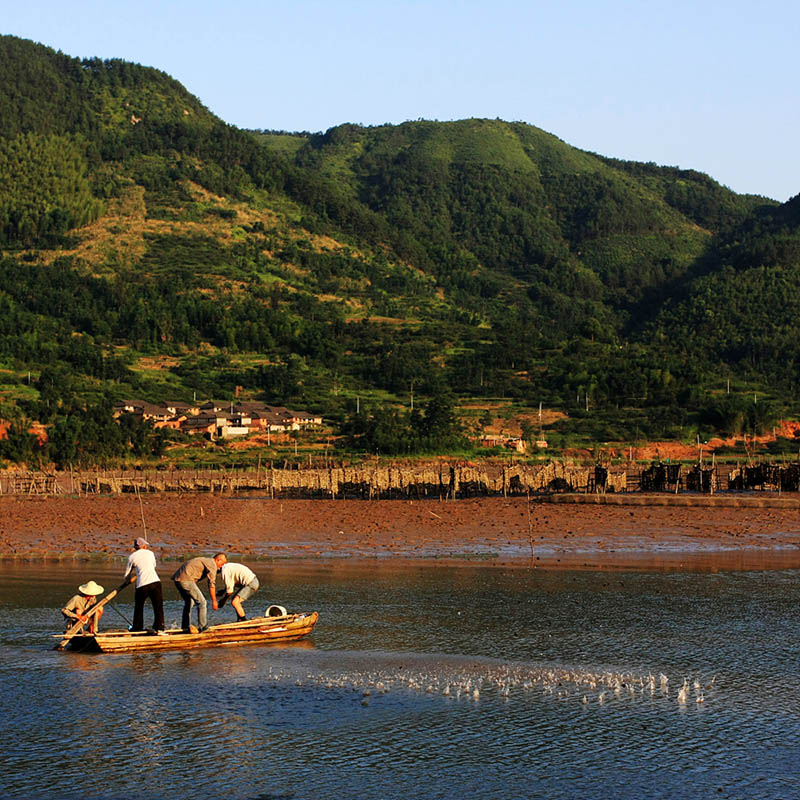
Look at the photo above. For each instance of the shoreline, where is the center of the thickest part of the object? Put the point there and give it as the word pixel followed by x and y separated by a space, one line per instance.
pixel 557 532
pixel 720 500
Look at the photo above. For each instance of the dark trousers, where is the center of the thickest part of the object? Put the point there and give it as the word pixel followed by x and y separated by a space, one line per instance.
pixel 152 591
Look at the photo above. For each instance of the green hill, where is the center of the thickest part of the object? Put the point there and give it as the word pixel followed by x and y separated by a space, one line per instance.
pixel 150 250
pixel 743 308
pixel 482 197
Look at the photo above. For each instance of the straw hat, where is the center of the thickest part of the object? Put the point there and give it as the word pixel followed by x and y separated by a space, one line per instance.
pixel 91 588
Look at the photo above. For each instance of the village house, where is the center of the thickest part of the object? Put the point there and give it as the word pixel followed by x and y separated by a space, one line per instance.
pixel 278 418
pixel 233 424
pixel 143 409
pixel 277 423
pixel 215 405
pixel 220 419
pixel 200 425
pixel 217 424
pixel 509 442
pixel 294 420
pixel 304 419
pixel 177 407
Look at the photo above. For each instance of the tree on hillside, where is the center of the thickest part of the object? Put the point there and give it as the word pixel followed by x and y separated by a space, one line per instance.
pixel 438 428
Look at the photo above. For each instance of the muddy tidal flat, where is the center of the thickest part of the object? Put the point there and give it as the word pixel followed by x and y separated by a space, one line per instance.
pixel 739 532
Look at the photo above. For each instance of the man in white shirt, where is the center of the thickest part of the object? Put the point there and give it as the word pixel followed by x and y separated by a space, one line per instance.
pixel 240 583
pixel 142 568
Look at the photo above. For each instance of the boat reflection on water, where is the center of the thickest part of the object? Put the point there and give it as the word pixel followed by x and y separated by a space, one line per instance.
pixel 151 661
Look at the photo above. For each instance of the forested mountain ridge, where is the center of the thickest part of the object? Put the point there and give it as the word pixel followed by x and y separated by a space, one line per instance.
pixel 479 197
pixel 116 122
pixel 152 250
pixel 48 92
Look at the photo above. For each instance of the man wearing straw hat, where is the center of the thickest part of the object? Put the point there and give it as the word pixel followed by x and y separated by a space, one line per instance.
pixel 142 568
pixel 75 610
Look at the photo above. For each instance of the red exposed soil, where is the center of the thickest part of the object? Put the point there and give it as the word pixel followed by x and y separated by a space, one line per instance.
pixel 684 452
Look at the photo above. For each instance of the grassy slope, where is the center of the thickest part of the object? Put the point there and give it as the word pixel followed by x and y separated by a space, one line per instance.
pixel 439 233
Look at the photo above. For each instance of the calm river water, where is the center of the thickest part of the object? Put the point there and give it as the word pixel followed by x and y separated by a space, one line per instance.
pixel 419 682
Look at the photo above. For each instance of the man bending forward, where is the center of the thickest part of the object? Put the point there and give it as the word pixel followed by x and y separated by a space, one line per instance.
pixel 240 583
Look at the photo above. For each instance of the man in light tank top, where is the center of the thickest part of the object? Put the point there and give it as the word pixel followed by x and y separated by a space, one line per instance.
pixel 142 568
pixel 240 583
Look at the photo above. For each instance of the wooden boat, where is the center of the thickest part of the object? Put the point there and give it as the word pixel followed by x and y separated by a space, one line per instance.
pixel 258 630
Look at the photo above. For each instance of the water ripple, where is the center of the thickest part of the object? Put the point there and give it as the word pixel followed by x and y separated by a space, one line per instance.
pixel 629 686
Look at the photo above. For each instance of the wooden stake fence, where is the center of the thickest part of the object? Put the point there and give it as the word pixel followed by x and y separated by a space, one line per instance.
pixel 368 482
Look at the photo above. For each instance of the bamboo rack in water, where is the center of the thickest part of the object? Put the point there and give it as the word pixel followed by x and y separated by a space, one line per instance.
pixel 444 482
pixel 439 481
pixel 415 481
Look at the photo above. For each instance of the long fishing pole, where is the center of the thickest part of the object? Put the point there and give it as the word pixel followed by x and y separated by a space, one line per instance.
pixel 130 624
pixel 530 527
pixel 144 528
pixel 141 509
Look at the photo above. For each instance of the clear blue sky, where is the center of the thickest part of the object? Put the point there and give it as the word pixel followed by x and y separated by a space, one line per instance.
pixel 703 84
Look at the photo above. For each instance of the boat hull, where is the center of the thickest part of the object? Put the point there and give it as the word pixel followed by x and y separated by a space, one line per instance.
pixel 261 630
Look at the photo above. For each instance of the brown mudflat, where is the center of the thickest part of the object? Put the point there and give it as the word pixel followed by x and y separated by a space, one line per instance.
pixel 742 533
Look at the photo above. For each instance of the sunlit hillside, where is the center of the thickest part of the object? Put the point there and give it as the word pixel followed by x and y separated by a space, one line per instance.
pixel 151 251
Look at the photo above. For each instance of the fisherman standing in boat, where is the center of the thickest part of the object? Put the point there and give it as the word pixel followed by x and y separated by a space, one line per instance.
pixel 77 606
pixel 240 583
pixel 186 580
pixel 142 569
